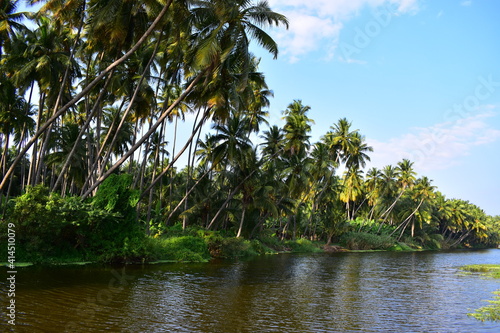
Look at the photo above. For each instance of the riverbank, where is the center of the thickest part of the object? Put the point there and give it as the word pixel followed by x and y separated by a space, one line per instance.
pixel 176 245
pixel 197 244
pixel 201 245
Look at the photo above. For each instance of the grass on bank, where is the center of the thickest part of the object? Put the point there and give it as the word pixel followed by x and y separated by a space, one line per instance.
pixel 175 245
pixel 490 312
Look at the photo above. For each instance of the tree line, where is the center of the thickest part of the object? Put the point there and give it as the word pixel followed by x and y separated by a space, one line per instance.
pixel 91 89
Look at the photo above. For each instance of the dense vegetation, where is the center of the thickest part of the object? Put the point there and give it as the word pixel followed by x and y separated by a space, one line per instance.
pixel 90 90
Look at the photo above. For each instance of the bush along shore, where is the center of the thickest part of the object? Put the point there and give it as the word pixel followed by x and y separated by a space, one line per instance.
pixel 54 229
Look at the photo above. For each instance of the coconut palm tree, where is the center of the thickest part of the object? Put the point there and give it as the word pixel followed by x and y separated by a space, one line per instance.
pixel 273 143
pixel 10 22
pixel 357 157
pixel 61 148
pixel 405 180
pixel 352 189
pixel 14 119
pixel 297 129
pixel 372 186
pixel 220 41
pixel 423 191
pixel 341 141
pixel 88 87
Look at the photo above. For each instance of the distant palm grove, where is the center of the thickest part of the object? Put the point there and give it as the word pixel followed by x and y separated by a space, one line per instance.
pixel 90 89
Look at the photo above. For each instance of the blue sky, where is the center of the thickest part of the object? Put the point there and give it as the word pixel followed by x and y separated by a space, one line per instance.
pixel 420 79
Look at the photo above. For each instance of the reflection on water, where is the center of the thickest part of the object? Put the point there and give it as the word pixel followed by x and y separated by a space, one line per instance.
pixel 344 292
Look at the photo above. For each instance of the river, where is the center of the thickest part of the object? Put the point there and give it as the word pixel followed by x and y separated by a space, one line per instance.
pixel 339 292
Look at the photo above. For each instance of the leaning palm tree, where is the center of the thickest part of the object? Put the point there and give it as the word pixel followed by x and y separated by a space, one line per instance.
pixel 373 187
pixel 61 149
pixel 220 41
pixel 88 88
pixel 405 180
pixel 423 191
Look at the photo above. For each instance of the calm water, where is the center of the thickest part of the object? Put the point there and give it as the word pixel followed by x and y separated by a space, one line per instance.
pixel 343 292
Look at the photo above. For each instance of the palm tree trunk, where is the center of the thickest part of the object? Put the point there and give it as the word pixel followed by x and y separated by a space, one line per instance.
pixel 80 134
pixel 131 102
pixel 34 154
pixel 388 210
pixel 145 136
pixel 155 165
pixel 230 197
pixel 189 171
pixel 186 195
pixel 405 222
pixel 173 154
pixel 98 165
pixel 4 153
pixel 165 170
pixel 461 238
pixel 241 221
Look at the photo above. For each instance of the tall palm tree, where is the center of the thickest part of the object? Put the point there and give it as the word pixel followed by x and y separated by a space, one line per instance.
pixel 14 117
pixel 357 156
pixel 423 191
pixel 45 60
pixel 10 22
pixel 61 149
pixel 220 41
pixel 273 142
pixel 352 189
pixel 405 180
pixel 341 140
pixel 297 129
pixel 388 191
pixel 85 90
pixel 373 188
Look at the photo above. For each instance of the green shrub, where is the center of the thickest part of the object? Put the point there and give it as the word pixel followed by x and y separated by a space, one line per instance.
pixel 302 245
pixel 182 248
pixel 432 241
pixel 261 248
pixel 366 241
pixel 51 228
pixel 273 242
pixel 400 246
pixel 236 247
pixel 48 227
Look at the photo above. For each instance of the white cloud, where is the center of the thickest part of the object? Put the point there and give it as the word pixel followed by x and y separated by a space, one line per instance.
pixel 436 147
pixel 316 25
pixel 306 34
pixel 466 3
